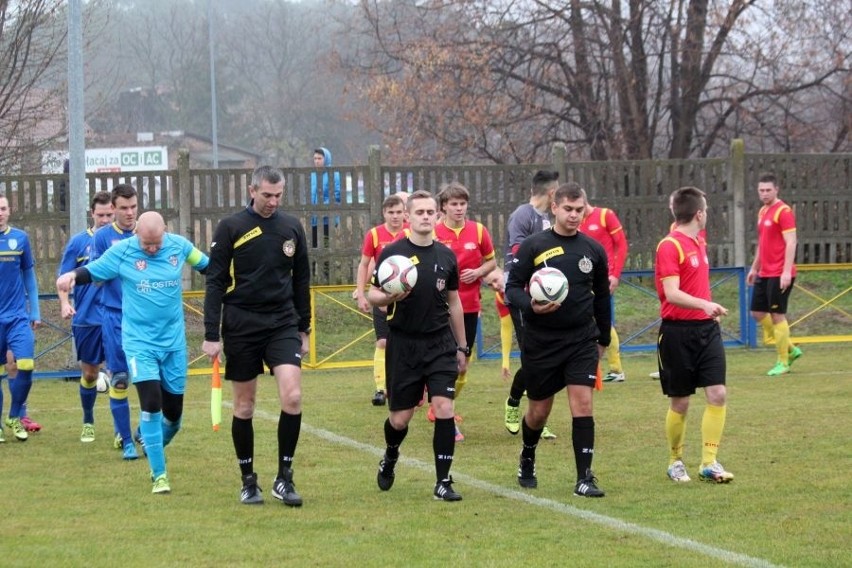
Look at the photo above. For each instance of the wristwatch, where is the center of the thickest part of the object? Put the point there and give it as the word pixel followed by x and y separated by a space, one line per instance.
pixel 465 350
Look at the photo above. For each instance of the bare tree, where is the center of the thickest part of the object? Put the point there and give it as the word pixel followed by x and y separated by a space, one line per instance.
pixel 32 40
pixel 504 80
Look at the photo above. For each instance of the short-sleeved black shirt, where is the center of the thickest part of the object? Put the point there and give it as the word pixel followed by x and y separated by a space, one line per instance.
pixel 425 310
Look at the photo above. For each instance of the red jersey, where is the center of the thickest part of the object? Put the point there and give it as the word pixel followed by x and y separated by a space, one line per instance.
pixel 679 255
pixel 472 246
pixel 377 239
pixel 603 225
pixel 773 222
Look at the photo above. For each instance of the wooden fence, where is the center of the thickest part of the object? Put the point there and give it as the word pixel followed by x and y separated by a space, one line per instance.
pixel 818 187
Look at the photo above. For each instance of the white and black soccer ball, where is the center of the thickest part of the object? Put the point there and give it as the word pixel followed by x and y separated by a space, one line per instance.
pixel 397 274
pixel 548 285
pixel 103 382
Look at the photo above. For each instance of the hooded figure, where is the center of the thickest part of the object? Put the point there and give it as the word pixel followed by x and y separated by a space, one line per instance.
pixel 321 193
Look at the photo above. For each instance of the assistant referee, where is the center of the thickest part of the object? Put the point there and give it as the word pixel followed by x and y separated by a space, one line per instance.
pixel 258 286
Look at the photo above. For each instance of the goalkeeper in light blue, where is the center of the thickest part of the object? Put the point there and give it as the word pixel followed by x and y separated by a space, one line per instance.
pixel 149 266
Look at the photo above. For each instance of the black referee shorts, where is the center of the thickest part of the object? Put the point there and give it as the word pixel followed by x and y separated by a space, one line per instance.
pixel 553 359
pixel 252 339
pixel 690 356
pixel 415 362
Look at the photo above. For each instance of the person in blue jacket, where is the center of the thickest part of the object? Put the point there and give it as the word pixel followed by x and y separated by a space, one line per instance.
pixel 322 186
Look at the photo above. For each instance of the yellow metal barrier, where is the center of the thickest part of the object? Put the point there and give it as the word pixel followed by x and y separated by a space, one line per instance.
pixel 825 304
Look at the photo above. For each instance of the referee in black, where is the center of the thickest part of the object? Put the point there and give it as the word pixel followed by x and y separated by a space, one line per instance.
pixel 426 346
pixel 562 342
pixel 258 287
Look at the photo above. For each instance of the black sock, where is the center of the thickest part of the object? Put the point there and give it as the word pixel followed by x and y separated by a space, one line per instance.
pixel 444 445
pixel 289 427
pixel 530 438
pixel 242 432
pixel 393 439
pixel 519 385
pixel 583 436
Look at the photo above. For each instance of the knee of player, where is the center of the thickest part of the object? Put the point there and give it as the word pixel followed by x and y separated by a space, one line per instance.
pixel 120 381
pixel 717 395
pixel 291 402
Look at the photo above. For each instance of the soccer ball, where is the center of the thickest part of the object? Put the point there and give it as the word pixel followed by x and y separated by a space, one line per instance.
pixel 548 285
pixel 397 274
pixel 103 382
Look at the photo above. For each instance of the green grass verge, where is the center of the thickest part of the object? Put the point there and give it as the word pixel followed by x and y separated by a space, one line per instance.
pixel 786 440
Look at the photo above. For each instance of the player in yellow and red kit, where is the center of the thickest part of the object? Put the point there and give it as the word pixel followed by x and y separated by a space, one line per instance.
pixel 471 243
pixel 393 211
pixel 602 224
pixel 773 272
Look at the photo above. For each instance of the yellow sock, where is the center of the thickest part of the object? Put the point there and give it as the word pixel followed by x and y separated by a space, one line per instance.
pixel 117 394
pixel 613 352
pixel 712 424
pixel 782 341
pixel 461 381
pixel 768 329
pixel 506 340
pixel 675 433
pixel 379 368
pixel 86 384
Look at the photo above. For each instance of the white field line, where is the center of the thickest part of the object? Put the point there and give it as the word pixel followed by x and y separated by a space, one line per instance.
pixel 662 537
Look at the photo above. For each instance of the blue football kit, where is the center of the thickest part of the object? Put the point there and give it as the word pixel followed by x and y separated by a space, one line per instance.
pixel 18 308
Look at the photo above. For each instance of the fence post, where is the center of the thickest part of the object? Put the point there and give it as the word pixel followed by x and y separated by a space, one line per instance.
pixel 736 181
pixel 559 157
pixel 375 189
pixel 184 195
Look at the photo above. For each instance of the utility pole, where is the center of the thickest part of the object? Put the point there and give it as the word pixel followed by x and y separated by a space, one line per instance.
pixel 215 137
pixel 77 194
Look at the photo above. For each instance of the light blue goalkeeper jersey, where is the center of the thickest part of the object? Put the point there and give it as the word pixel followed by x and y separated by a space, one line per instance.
pixel 152 304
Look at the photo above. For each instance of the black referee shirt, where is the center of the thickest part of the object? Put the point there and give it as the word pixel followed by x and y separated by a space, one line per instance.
pixel 583 261
pixel 260 265
pixel 425 310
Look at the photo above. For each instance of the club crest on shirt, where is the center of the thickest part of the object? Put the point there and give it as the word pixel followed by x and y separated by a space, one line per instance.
pixel 289 247
pixel 693 261
pixel 440 284
pixel 13 244
pixel 585 265
pixel 141 264
pixel 173 260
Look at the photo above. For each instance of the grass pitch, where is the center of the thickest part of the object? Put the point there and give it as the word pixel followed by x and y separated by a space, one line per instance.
pixel 786 440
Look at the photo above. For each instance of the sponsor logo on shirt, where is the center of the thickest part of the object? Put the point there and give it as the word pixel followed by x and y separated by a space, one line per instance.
pixel 146 286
